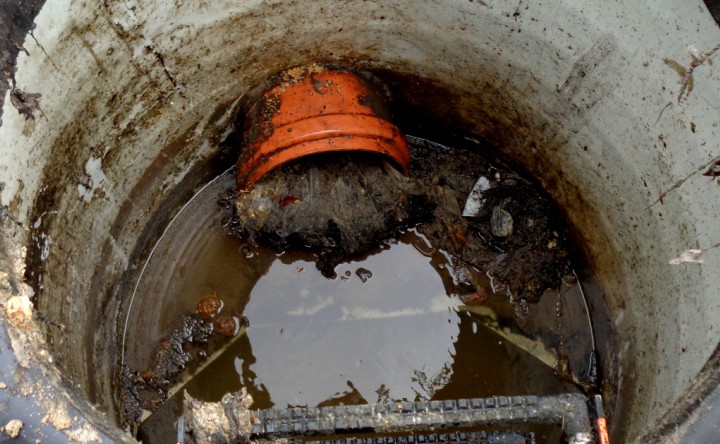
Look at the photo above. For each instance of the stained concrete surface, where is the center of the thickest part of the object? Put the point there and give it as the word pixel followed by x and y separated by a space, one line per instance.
pixel 16 19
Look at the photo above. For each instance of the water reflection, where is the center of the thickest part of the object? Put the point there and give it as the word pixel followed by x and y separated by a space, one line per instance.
pixel 313 340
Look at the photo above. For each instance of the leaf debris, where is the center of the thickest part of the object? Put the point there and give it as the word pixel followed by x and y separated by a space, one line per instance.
pixel 25 103
pixel 692 256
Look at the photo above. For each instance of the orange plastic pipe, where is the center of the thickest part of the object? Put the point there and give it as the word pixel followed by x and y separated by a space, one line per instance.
pixel 316 111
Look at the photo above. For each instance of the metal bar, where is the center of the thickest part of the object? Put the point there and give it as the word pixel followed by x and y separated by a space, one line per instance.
pixel 445 438
pixel 569 411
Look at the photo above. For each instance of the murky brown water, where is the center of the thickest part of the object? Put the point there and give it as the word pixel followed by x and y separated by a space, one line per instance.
pixel 393 325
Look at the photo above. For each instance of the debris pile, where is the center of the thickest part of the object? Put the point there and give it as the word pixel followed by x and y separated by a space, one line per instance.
pixel 338 206
pixel 487 217
pixel 183 350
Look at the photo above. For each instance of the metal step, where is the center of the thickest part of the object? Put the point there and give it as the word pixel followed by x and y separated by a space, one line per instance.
pixel 446 438
pixel 568 411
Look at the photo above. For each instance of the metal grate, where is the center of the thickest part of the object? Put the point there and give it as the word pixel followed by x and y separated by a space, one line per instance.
pixel 445 438
pixel 426 418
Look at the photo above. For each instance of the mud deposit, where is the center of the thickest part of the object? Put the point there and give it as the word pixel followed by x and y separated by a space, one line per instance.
pixel 449 307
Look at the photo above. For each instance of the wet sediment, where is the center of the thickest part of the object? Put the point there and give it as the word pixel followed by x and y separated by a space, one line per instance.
pixel 341 206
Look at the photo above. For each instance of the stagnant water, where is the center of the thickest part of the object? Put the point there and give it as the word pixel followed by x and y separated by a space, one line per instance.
pixel 393 325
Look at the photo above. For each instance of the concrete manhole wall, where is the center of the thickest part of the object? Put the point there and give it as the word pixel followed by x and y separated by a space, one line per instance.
pixel 136 98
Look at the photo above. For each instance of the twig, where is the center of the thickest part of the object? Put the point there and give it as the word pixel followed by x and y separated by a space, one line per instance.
pixel 669 105
pixel 186 377
pixel 680 182
pixel 698 58
pixel 42 48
